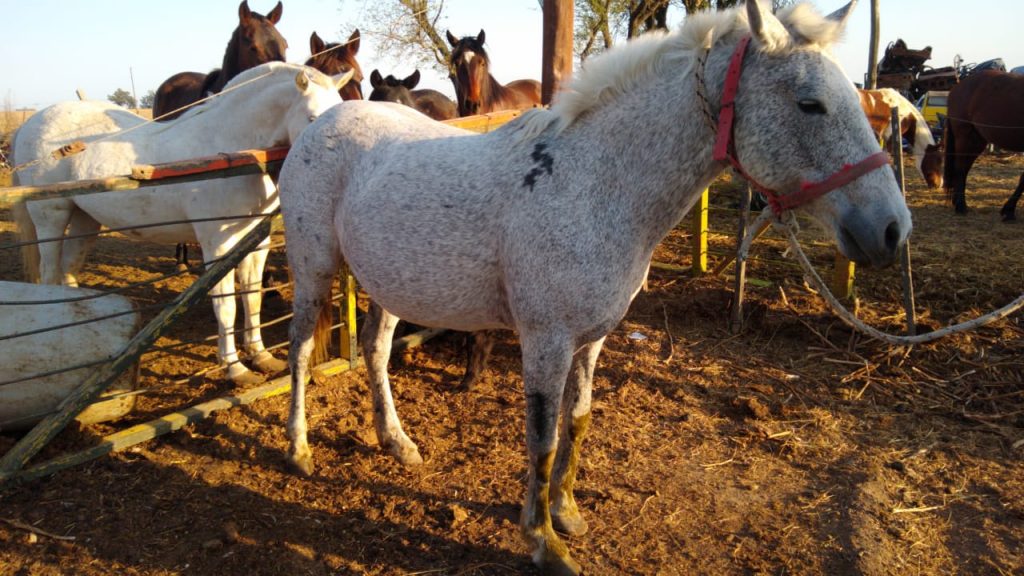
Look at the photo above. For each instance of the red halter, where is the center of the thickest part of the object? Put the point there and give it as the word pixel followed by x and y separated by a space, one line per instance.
pixel 725 149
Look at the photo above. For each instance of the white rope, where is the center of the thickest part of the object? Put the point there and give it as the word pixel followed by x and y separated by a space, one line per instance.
pixel 788 227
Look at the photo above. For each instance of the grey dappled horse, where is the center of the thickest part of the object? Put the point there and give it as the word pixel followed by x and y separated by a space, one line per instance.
pixel 546 226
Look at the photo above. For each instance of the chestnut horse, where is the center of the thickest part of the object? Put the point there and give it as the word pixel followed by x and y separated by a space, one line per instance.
pixel 255 41
pixel 877 105
pixel 985 108
pixel 430 102
pixel 334 58
pixel 476 90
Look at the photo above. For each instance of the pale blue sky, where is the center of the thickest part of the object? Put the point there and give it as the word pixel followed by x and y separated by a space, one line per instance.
pixel 51 47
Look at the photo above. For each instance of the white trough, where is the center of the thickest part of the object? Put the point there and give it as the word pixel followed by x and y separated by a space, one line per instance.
pixel 23 404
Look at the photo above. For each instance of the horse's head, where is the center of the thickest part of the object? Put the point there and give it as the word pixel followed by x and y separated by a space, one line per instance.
pixel 392 89
pixel 471 64
pixel 256 40
pixel 334 58
pixel 798 121
pixel 931 166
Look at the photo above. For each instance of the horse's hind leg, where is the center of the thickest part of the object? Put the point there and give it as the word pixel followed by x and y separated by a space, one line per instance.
pixel 575 424
pixel 1009 210
pixel 479 345
pixel 250 279
pixel 51 219
pixel 75 249
pixel 376 334
pixel 547 359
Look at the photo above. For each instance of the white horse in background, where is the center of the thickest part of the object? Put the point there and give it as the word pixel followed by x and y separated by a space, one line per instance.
pixel 547 225
pixel 265 106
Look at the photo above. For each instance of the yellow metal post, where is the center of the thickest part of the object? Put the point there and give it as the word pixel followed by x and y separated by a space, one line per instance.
pixel 699 231
pixel 842 280
pixel 349 346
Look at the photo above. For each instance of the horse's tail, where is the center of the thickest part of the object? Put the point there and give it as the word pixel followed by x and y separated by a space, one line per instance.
pixel 322 331
pixel 949 163
pixel 27 234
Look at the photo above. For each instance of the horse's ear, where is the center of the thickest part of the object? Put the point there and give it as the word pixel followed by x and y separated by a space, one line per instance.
pixel 244 14
pixel 316 44
pixel 765 27
pixel 480 37
pixel 375 78
pixel 451 39
pixel 353 42
pixel 341 79
pixel 412 80
pixel 840 16
pixel 275 15
pixel 302 81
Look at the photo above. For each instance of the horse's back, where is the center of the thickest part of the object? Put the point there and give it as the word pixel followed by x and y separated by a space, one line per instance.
pixel 176 92
pixel 991 103
pixel 435 104
pixel 528 92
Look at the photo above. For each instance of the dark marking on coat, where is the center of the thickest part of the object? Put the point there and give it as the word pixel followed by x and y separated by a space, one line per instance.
pixel 543 162
pixel 536 410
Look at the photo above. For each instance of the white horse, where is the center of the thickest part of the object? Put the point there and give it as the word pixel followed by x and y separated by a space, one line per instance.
pixel 546 226
pixel 265 106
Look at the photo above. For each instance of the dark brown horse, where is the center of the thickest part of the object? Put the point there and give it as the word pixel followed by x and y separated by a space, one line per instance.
pixel 334 58
pixel 430 102
pixel 477 91
pixel 255 41
pixel 985 108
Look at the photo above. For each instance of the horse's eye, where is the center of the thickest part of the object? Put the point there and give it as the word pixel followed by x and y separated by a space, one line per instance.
pixel 312 118
pixel 809 106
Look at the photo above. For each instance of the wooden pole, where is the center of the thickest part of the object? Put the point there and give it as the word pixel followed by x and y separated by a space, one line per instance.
pixel 16 458
pixel 558 45
pixel 905 267
pixel 740 279
pixel 871 81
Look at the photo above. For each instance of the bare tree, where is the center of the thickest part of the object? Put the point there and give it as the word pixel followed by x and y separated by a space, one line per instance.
pixel 407 30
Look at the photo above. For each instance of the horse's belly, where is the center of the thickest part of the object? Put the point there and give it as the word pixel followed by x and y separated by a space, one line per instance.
pixel 136 212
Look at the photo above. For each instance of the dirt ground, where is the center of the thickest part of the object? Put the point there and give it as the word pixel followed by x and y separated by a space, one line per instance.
pixel 794 447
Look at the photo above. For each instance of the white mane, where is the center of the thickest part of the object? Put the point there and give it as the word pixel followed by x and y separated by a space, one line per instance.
pixel 614 73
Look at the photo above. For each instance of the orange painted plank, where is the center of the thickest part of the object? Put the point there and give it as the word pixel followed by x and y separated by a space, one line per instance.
pixel 484 122
pixel 208 163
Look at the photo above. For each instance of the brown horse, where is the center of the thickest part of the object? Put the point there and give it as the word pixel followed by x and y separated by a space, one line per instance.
pixel 985 108
pixel 255 41
pixel 877 105
pixel 334 58
pixel 477 91
pixel 430 102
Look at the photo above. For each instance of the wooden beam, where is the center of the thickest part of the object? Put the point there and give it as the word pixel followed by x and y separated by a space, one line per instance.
pixel 16 458
pixel 484 123
pixel 208 164
pixel 558 47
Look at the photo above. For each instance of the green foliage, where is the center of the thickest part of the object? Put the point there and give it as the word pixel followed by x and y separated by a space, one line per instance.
pixel 122 98
pixel 147 100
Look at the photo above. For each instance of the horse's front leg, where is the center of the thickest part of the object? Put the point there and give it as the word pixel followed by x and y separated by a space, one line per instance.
pixel 1009 210
pixel 376 334
pixel 50 219
pixel 478 350
pixel 250 272
pixel 223 295
pixel 575 424
pixel 546 362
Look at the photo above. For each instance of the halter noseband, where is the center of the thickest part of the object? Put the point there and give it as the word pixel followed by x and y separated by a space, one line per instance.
pixel 725 148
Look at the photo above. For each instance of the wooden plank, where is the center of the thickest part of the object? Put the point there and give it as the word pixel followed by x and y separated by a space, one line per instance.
pixel 906 269
pixel 557 47
pixel 16 458
pixel 208 164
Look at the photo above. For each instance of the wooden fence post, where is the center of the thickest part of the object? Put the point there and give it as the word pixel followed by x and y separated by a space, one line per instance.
pixel 557 49
pixel 16 458
pixel 905 267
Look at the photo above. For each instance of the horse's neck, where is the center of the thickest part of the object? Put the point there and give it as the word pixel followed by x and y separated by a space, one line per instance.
pixel 229 67
pixel 652 164
pixel 232 122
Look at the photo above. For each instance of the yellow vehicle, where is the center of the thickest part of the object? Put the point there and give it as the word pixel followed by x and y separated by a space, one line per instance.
pixel 933 108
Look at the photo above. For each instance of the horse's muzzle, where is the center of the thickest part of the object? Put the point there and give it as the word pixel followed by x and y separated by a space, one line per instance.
pixel 872 244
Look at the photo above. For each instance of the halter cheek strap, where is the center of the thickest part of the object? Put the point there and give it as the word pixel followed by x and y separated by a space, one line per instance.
pixel 725 148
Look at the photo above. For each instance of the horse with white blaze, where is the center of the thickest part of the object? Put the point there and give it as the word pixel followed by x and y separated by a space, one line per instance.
pixel 546 226
pixel 268 105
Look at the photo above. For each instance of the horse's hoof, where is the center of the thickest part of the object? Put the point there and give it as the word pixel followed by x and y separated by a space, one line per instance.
pixel 182 267
pixel 552 563
pixel 468 383
pixel 572 524
pixel 407 454
pixel 246 378
pixel 301 464
pixel 267 364
pixel 1008 217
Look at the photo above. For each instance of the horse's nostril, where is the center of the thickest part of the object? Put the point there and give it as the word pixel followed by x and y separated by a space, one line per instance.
pixel 893 236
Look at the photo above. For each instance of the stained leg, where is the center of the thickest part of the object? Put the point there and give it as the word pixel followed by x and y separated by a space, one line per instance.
pixel 477 352
pixel 376 334
pixel 546 362
pixel 313 271
pixel 250 279
pixel 181 257
pixel 1009 210
pixel 575 423
pixel 51 220
pixel 75 250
